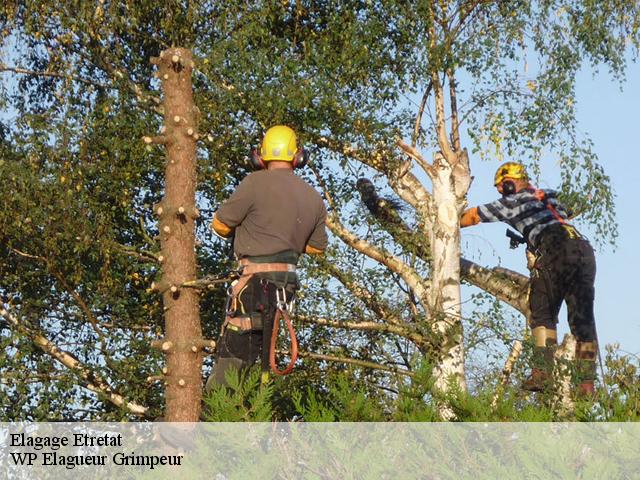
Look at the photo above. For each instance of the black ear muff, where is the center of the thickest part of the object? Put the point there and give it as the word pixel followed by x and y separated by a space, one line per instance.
pixel 301 158
pixel 508 187
pixel 256 160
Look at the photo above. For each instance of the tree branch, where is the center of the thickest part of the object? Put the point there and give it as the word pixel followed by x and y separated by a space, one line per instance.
pixel 80 302
pixel 353 361
pixel 455 125
pixel 373 159
pixel 142 254
pixel 22 71
pixel 402 181
pixel 411 278
pixel 418 122
pixel 404 332
pixel 506 285
pixel 75 295
pixel 372 302
pixel 415 155
pixel 89 379
pixel 441 129
pixel 506 371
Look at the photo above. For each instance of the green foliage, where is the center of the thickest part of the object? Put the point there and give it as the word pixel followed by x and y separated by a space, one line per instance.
pixel 341 398
pixel 622 379
pixel 244 399
pixel 77 237
pixel 342 402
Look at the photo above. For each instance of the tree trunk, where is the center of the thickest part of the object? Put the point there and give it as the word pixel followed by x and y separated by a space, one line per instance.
pixel 445 297
pixel 564 357
pixel 177 213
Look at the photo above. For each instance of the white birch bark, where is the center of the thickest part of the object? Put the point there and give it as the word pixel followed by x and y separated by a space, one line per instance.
pixel 445 296
pixel 564 357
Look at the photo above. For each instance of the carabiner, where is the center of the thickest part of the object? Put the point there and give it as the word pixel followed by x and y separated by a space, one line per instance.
pixel 230 307
pixel 281 299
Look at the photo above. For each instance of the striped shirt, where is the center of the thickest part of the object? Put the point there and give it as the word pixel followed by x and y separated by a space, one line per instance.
pixel 525 212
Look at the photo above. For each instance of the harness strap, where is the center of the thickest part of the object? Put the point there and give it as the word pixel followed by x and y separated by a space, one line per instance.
pixel 570 229
pixel 234 292
pixel 240 323
pixel 249 269
pixel 540 195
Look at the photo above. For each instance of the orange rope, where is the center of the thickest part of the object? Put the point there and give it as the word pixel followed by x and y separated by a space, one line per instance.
pixel 274 337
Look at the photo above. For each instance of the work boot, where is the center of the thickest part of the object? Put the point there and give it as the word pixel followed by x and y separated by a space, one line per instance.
pixel 586 390
pixel 541 376
pixel 542 361
pixel 586 353
pixel 538 381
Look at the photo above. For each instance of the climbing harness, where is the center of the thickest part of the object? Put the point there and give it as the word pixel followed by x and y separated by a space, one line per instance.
pixel 242 323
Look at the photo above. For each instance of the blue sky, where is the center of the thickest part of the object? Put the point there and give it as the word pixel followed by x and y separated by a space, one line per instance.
pixel 609 117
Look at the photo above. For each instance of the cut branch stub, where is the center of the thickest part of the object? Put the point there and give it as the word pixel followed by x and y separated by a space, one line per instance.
pixel 164 345
pixel 205 343
pixel 160 286
pixel 157 140
pixel 191 132
pixel 188 211
pixel 159 209
pixel 164 211
pixel 192 346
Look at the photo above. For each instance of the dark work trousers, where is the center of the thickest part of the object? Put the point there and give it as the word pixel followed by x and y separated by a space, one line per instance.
pixel 239 349
pixel 565 269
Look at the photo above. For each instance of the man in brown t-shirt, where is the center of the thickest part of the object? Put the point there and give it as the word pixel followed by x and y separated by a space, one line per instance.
pixel 274 216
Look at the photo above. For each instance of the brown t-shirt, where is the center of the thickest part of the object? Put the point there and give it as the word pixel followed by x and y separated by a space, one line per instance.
pixel 274 211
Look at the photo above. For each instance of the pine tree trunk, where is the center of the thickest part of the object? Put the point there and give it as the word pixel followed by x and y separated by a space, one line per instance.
pixel 177 213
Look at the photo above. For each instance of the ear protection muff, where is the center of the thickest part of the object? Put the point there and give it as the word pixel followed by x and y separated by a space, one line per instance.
pixel 508 187
pixel 255 159
pixel 301 158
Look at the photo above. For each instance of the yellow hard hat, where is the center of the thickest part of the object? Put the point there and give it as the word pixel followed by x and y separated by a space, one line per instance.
pixel 511 170
pixel 279 143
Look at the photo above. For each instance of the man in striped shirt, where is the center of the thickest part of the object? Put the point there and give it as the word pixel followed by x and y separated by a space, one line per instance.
pixel 564 270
